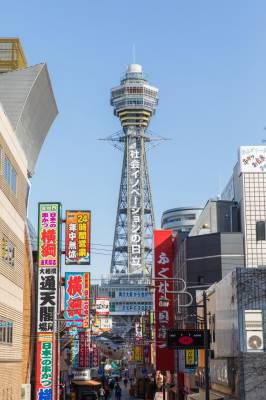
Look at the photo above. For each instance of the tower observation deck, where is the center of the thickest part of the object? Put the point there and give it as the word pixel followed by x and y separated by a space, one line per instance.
pixel 134 102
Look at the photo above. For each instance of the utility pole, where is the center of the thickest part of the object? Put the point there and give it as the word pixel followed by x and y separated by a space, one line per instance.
pixel 206 348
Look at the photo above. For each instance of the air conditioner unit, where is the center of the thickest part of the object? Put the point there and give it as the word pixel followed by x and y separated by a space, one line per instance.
pixel 254 340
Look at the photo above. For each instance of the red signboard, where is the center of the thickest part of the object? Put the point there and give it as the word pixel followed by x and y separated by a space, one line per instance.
pixel 95 356
pixel 164 310
pixel 82 349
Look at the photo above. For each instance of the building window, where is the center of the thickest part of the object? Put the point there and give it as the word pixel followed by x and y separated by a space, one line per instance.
pixel 6 331
pixel 201 279
pixel 260 230
pixel 8 251
pixel 10 175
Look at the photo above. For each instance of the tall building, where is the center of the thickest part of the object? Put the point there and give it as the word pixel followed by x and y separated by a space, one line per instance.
pixel 181 220
pixel 134 102
pixel 27 109
pixel 247 187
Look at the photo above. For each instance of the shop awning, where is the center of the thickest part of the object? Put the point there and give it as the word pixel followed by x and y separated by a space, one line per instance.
pixel 91 382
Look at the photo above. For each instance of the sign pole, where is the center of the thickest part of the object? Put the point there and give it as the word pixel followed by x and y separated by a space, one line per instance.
pixel 206 348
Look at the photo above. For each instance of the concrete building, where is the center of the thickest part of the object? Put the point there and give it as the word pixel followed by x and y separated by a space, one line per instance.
pixel 247 187
pixel 237 323
pixel 27 109
pixel 213 248
pixel 181 220
pixel 217 216
pixel 129 299
pixel 236 304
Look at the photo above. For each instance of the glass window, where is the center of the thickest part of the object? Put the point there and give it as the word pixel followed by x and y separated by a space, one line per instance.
pixel 260 230
pixel 6 330
pixel 10 175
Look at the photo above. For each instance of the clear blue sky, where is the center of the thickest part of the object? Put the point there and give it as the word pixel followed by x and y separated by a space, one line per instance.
pixel 208 59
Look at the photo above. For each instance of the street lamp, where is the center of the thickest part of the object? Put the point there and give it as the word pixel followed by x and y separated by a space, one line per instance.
pixel 164 302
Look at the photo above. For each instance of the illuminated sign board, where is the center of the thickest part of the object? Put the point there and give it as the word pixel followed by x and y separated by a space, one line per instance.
pixel 48 268
pixel 164 311
pixel 48 234
pixel 78 237
pixel 77 298
pixel 186 339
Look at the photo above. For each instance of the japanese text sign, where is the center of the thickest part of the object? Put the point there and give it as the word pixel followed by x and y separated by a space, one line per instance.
pixel 164 310
pixel 44 369
pixel 48 269
pixel 102 306
pixel 47 299
pixel 252 159
pixel 77 298
pixel 48 234
pixel 78 237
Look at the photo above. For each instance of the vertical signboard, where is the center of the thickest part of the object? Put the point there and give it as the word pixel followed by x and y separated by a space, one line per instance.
pixel 78 237
pixel 191 359
pixel 87 348
pixel 77 298
pixel 164 311
pixel 48 270
pixel 135 220
pixel 138 331
pixel 95 356
pixel 75 351
pixel 82 354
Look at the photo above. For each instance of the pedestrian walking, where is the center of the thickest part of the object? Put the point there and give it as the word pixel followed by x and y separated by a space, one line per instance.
pixel 118 392
pixel 102 393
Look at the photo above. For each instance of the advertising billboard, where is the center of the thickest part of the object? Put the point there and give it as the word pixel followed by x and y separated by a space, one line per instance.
pixel 164 311
pixel 138 330
pixel 186 339
pixel 102 306
pixel 252 159
pixel 77 238
pixel 77 298
pixel 105 324
pixel 48 234
pixel 47 287
pixel 44 367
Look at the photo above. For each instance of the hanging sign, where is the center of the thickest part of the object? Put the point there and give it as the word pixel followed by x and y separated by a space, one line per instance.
pixel 77 298
pixel 78 237
pixel 102 306
pixel 164 310
pixel 48 269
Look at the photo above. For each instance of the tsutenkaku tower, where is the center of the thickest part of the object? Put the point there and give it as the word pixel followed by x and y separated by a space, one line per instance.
pixel 134 102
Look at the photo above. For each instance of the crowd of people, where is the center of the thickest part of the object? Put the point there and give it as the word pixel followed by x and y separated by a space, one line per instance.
pixel 111 389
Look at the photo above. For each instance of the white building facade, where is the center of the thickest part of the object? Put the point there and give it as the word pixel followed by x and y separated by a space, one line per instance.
pixel 247 186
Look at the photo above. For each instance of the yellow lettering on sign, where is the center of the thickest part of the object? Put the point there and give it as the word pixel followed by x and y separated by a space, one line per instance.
pixel 190 357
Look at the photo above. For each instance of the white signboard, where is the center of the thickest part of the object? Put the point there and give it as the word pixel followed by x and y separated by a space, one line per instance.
pixel 252 159
pixel 102 306
pixel 82 375
pixel 135 251
pixel 106 324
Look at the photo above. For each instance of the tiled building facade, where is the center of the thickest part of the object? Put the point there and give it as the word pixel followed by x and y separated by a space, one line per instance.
pixel 248 188
pixel 24 123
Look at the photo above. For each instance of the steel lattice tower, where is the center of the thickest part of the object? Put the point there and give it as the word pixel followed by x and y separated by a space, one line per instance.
pixel 134 102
